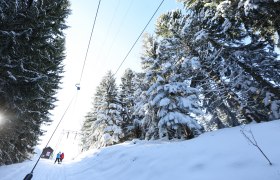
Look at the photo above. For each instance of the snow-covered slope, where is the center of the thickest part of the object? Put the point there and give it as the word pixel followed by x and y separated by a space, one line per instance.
pixel 219 155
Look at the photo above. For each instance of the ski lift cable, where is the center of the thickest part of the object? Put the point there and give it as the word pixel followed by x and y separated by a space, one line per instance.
pixel 59 140
pixel 96 14
pixel 78 84
pixel 29 176
pixel 139 37
pixel 101 47
pixel 55 130
pixel 118 31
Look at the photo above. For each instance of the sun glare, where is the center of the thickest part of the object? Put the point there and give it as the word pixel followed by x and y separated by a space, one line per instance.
pixel 2 119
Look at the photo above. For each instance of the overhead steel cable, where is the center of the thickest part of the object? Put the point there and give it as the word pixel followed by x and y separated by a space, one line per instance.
pixel 30 175
pixel 108 30
pixel 96 14
pixel 118 31
pixel 139 37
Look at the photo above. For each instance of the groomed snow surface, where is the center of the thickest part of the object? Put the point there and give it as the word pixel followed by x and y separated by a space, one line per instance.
pixel 221 155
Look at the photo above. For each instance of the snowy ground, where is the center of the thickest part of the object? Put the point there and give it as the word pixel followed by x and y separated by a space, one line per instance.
pixel 219 155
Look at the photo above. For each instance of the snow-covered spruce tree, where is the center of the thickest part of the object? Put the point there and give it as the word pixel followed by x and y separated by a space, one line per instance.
pixel 140 99
pixel 264 67
pixel 150 64
pixel 181 29
pixel 31 54
pixel 107 127
pixel 178 102
pixel 226 72
pixel 86 140
pixel 91 123
pixel 261 17
pixel 127 89
pixel 171 100
pixel 220 100
pixel 230 50
pixel 247 53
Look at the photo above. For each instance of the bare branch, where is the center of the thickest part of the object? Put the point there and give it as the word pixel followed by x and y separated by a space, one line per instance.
pixel 251 138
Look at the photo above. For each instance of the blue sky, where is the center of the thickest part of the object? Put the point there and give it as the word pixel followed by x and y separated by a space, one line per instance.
pixel 118 25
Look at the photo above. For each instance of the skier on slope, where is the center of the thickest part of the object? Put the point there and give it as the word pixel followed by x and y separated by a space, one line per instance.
pixel 61 157
pixel 57 157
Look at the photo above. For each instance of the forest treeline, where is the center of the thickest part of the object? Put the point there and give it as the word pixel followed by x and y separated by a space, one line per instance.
pixel 210 65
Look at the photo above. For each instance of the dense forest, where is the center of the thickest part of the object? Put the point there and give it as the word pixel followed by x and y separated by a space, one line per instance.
pixel 210 65
pixel 31 55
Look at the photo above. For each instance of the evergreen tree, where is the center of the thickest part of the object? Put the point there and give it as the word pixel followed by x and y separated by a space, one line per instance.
pixel 150 64
pixel 170 99
pixel 87 139
pixel 32 50
pixel 231 50
pixel 127 89
pixel 107 122
pixel 140 99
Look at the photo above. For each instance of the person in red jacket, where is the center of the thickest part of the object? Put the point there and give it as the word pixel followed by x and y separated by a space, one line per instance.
pixel 61 157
